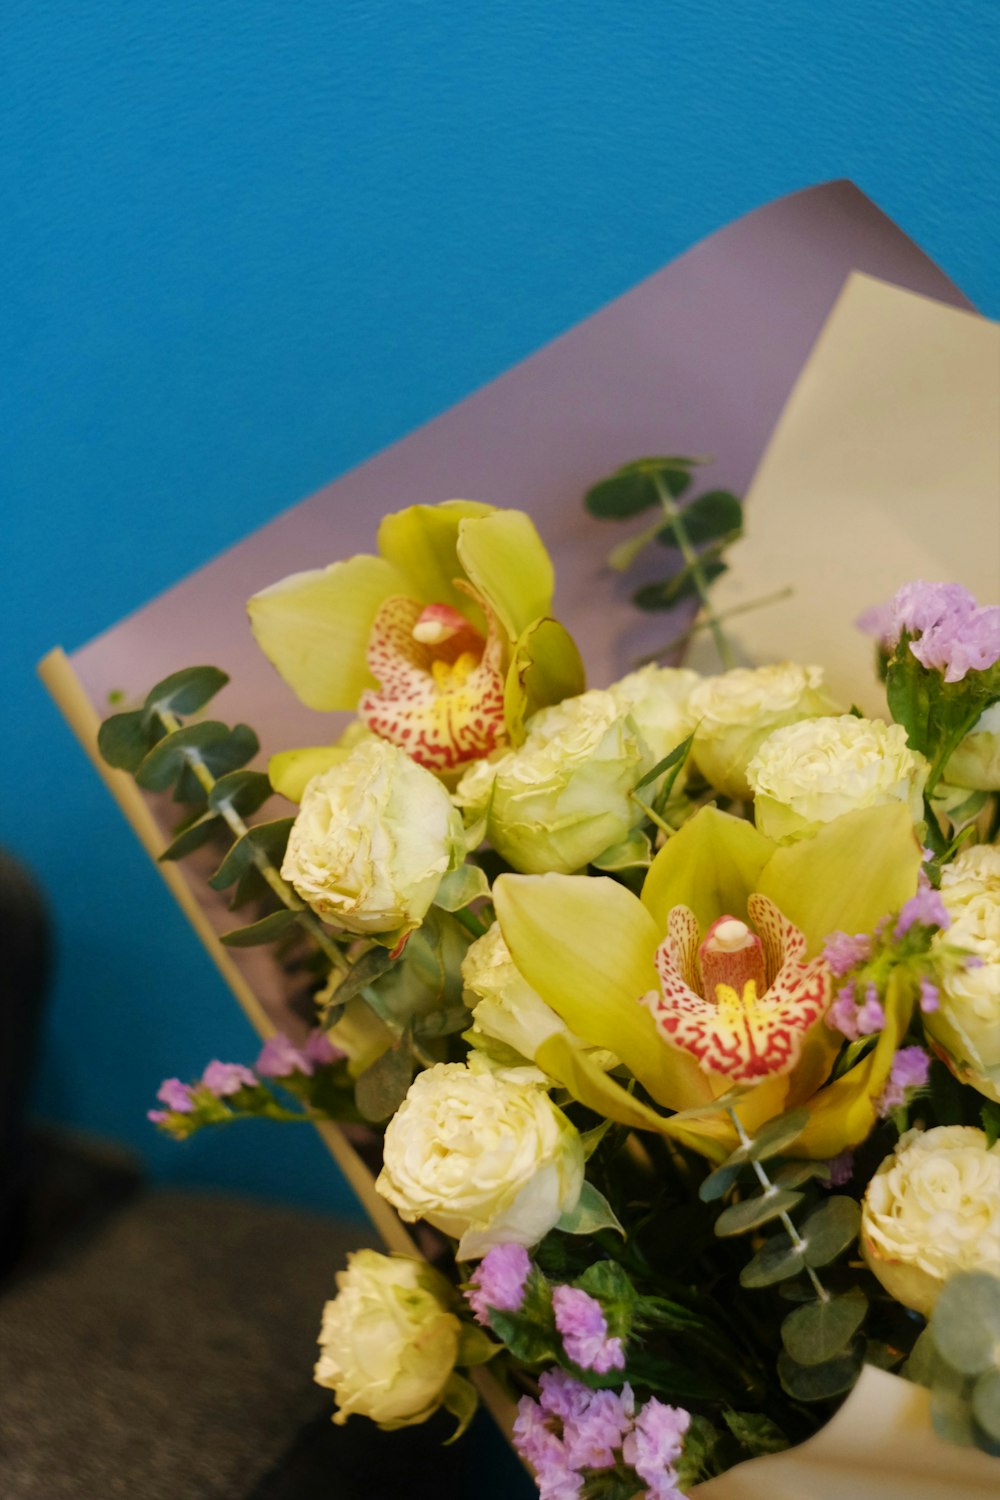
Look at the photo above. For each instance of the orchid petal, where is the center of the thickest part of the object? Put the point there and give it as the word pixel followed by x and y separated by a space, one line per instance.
pixel 711 865
pixel 290 771
pixel 314 627
pixel 545 668
pixel 849 875
pixel 421 544
pixel 505 559
pixel 586 945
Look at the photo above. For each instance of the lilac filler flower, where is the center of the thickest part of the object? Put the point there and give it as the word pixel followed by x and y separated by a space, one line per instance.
pixel 925 908
pixel 841 1168
pixel 593 1438
pixel 654 1446
pixel 499 1281
pixel 910 1070
pixel 539 1446
pixel 930 996
pixel 227 1078
pixel 280 1058
pixel 842 952
pixel 176 1096
pixel 953 635
pixel 320 1051
pixel 871 1016
pixel 581 1321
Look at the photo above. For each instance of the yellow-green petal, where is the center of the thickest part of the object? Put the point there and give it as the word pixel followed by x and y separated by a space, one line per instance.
pixel 290 771
pixel 506 561
pixel 711 865
pixel 314 627
pixel 421 542
pixel 545 668
pixel 848 876
pixel 586 944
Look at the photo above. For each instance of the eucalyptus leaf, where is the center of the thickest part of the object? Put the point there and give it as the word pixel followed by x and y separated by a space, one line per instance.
pixel 717 1184
pixel 776 1260
pixel 986 1411
pixel 125 740
pixel 266 930
pixel 774 1137
pixel 363 972
pixel 951 1406
pixel 751 1213
pixel 708 518
pixel 633 488
pixel 192 836
pixel 683 585
pixel 592 1212
pixel 818 1382
pixel 444 1022
pixel 244 791
pixel 819 1331
pixel 381 1089
pixel 219 748
pixel 186 691
pixel 831 1229
pixel 793 1174
pixel 965 1324
pixel 265 841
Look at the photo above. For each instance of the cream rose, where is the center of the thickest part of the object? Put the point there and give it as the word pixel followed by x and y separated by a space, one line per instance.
pixel 807 774
pixel 374 835
pixel 736 711
pixel 562 798
pixel 976 762
pixel 932 1209
pixel 388 1340
pixel 487 1161
pixel 659 701
pixel 965 1028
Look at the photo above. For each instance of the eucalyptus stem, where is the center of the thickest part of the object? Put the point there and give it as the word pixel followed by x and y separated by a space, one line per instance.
pixel 675 516
pixel 769 1191
pixel 279 886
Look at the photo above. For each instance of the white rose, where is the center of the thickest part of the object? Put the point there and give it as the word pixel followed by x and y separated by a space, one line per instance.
pixel 388 1340
pixel 487 1161
pixel 932 1209
pixel 965 1028
pixel 736 711
pixel 976 762
pixel 659 701
pixel 809 773
pixel 374 835
pixel 563 797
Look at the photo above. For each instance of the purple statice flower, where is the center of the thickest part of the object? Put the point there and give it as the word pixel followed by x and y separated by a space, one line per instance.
pixel 176 1096
pixel 499 1281
pixel 926 909
pixel 841 1168
pixel 581 1321
pixel 539 1446
pixel 910 1070
pixel 953 635
pixel 879 620
pixel 157 1116
pixel 842 952
pixel 320 1051
pixel 654 1445
pixel 930 996
pixel 280 1058
pixel 561 1395
pixel 871 1016
pixel 843 1013
pixel 593 1439
pixel 227 1078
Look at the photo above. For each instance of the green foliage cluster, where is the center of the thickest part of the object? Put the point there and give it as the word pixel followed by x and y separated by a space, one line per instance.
pixel 958 1358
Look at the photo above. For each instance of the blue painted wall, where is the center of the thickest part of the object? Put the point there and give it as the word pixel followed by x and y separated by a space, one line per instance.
pixel 247 244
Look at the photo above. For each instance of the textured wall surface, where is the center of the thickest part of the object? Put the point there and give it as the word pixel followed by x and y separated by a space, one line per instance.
pixel 246 244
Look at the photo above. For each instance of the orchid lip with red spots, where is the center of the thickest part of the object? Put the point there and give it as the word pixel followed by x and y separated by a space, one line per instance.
pixel 740 1002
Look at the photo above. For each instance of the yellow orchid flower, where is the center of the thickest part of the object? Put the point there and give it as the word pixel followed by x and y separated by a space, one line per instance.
pixel 443 643
pixel 695 1003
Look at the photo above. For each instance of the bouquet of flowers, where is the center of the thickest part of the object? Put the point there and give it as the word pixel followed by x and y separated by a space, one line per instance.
pixel 676 1003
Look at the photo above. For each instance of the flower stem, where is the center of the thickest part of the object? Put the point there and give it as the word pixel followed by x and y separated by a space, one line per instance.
pixel 725 614
pixel 675 516
pixel 769 1191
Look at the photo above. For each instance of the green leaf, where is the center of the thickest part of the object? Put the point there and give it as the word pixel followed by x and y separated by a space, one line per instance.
pixel 264 841
pixel 186 691
pixel 776 1260
pixel 792 1174
pixel 832 1229
pixel 381 1089
pixel 244 791
pixel 609 1283
pixel 444 1022
pixel 986 1412
pixel 461 887
pixel 633 853
pixel 461 1400
pixel 530 1333
pixel 192 835
pixel 125 740
pixel 965 1324
pixel 951 1406
pixel 755 1432
pixel 592 1212
pixel 265 931
pixel 363 972
pixel 633 488
pixel 819 1331
pixel 475 1346
pixel 220 749
pixel 717 1184
pixel 818 1382
pixel 751 1213
pixel 989 1115
pixel 676 758
pixel 773 1138
pixel 709 518
pixel 673 591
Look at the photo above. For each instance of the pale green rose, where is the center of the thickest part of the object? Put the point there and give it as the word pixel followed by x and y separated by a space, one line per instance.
pixel 932 1209
pixel 563 796
pixel 976 762
pixel 487 1161
pixel 809 773
pixel 736 711
pixel 373 837
pixel 965 1028
pixel 389 1340
pixel 659 701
